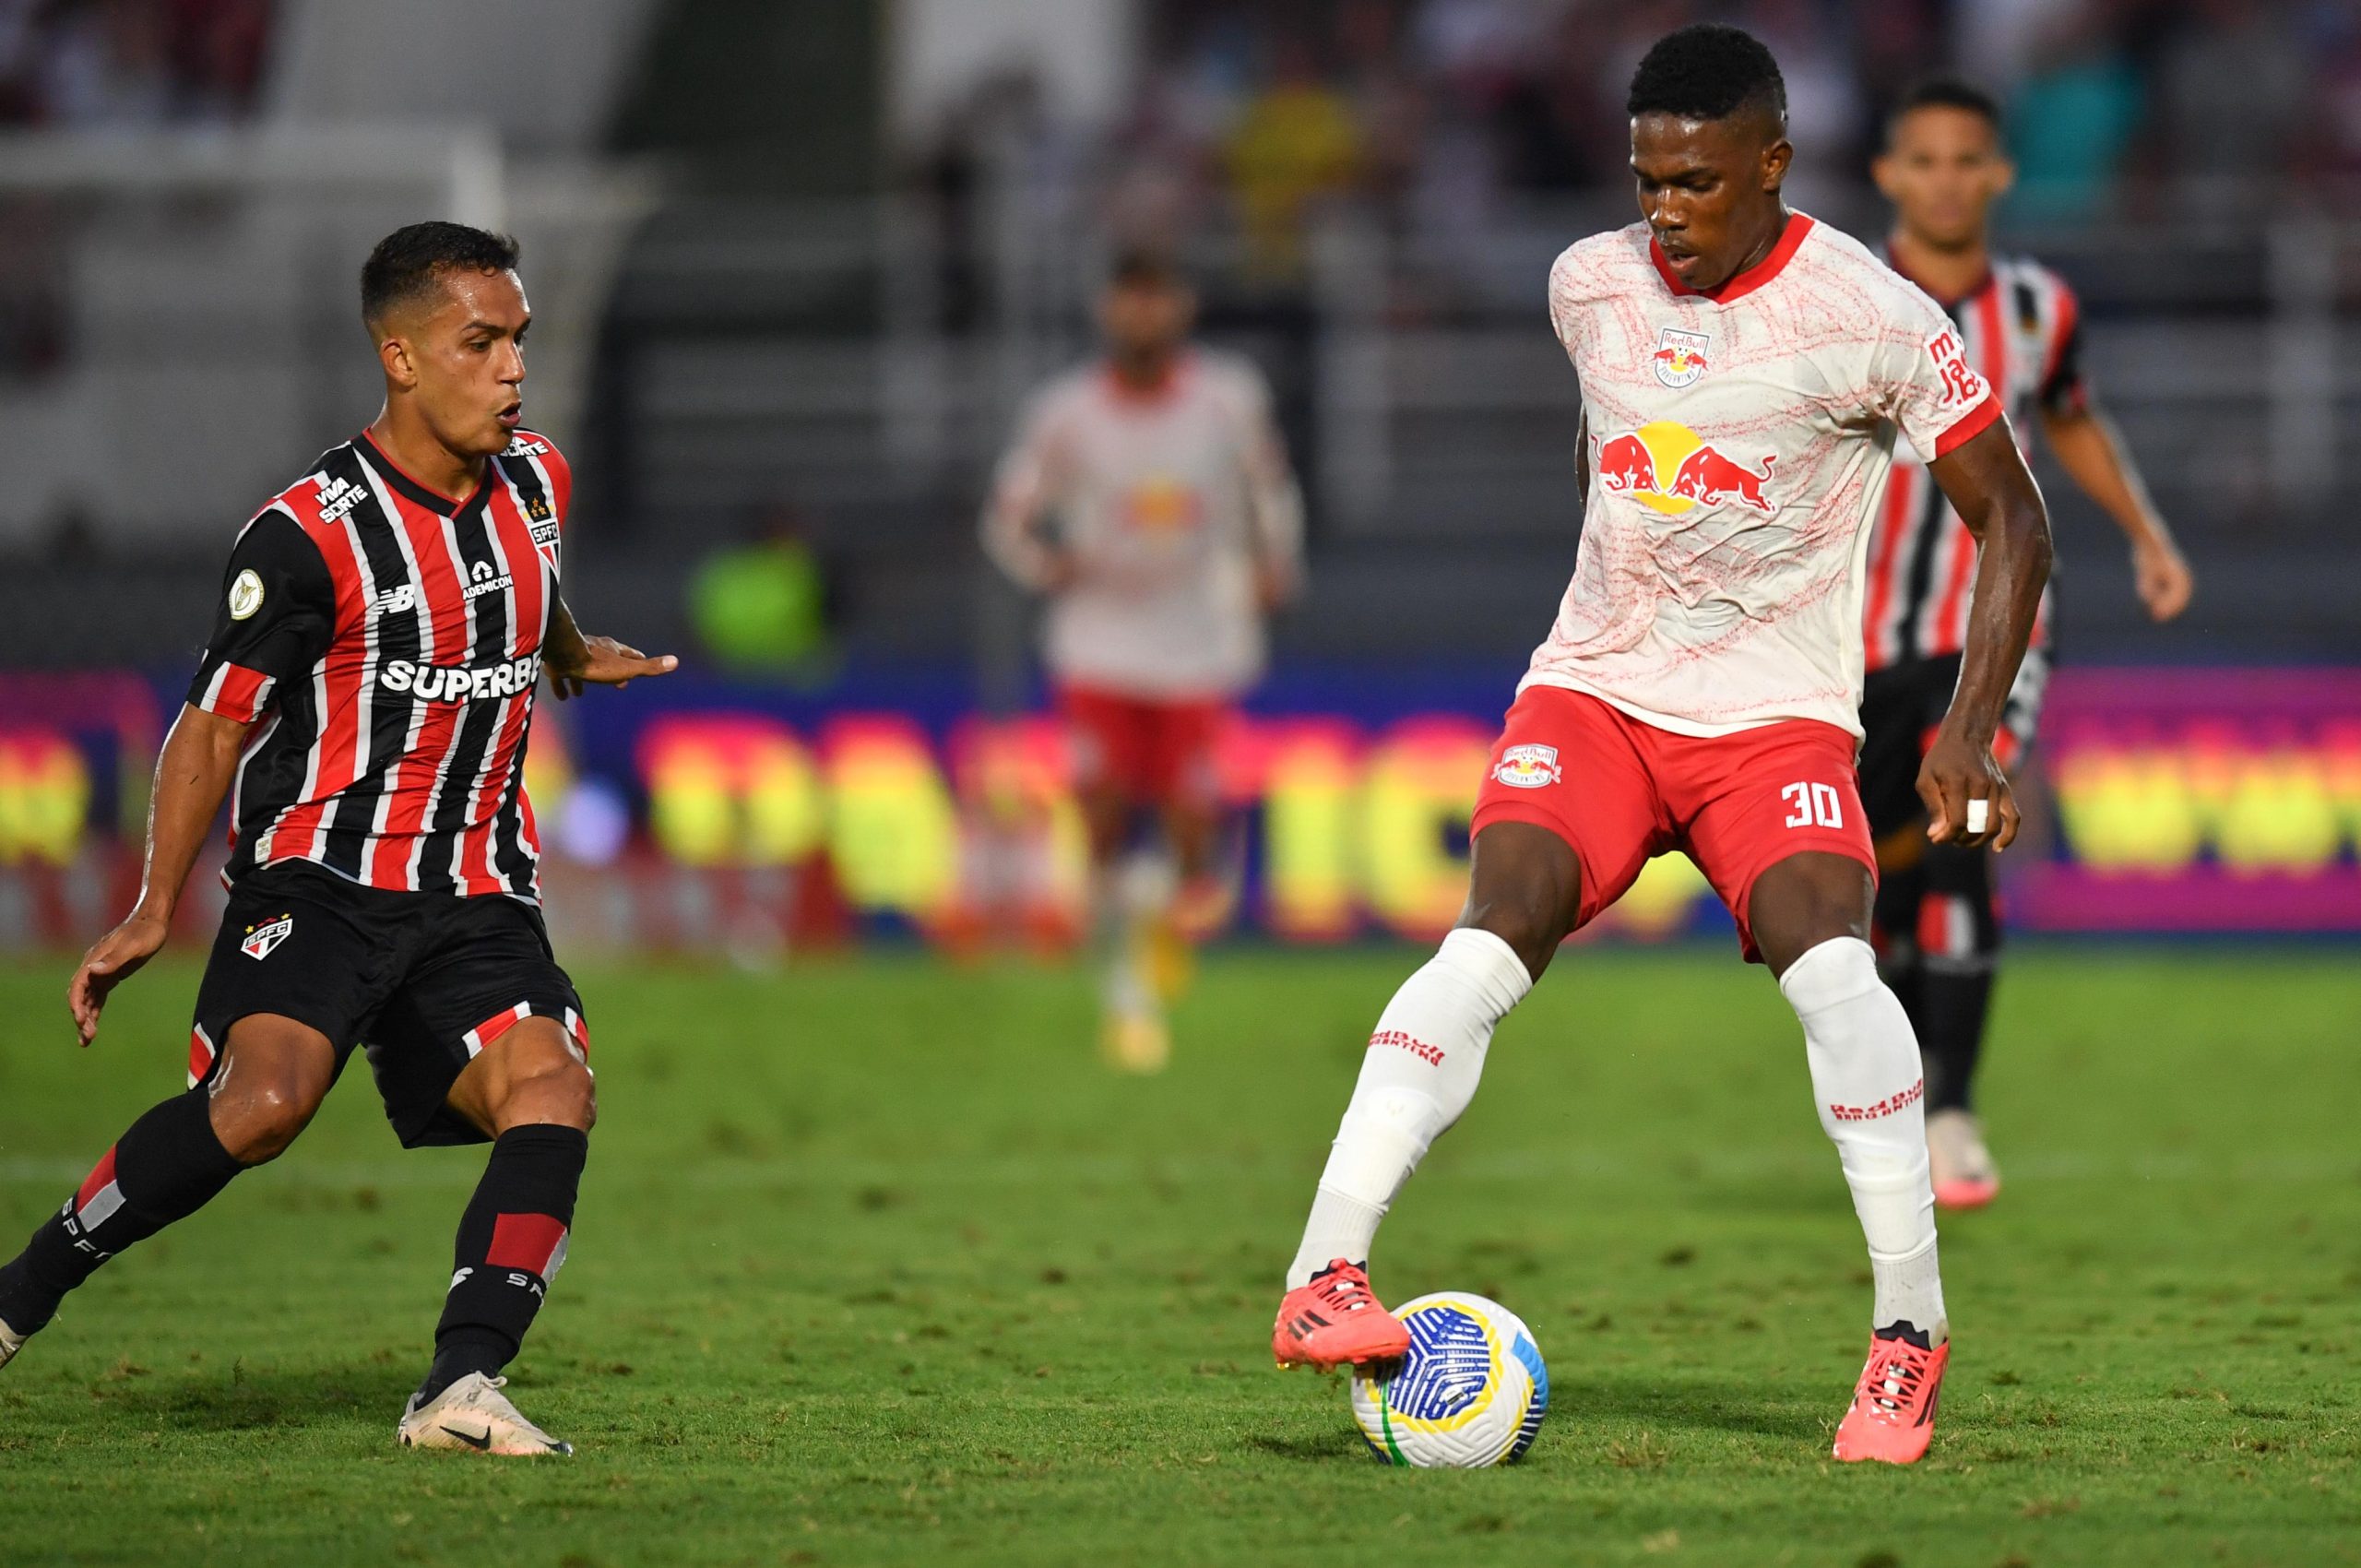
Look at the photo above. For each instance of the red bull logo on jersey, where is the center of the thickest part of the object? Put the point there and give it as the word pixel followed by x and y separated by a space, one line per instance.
pixel 1163 504
pixel 436 682
pixel 1680 356
pixel 1669 468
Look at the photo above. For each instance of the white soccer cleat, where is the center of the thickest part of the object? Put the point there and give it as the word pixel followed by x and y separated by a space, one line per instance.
pixel 1964 1176
pixel 10 1343
pixel 474 1416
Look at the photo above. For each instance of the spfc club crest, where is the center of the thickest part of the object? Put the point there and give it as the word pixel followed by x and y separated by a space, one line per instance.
pixel 261 940
pixel 1680 356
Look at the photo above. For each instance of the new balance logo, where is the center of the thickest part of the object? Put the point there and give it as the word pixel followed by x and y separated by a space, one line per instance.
pixel 399 601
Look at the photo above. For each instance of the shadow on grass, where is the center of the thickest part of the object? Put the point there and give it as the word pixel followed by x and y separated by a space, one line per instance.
pixel 1326 1448
pixel 243 1399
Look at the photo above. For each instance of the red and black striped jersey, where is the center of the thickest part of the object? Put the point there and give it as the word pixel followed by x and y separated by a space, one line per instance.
pixel 385 641
pixel 2023 330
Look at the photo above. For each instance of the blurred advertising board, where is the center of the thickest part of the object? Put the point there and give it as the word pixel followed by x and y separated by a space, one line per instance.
pixel 685 813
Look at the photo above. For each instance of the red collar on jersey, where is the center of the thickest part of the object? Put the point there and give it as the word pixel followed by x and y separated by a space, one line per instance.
pixel 410 489
pixel 1739 285
pixel 1983 281
pixel 1123 391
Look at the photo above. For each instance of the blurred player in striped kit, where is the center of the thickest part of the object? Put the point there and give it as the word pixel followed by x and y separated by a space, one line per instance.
pixel 1148 498
pixel 1943 167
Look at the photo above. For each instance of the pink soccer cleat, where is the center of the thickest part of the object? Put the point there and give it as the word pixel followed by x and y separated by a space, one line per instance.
pixel 1333 1321
pixel 1964 1172
pixel 1892 1418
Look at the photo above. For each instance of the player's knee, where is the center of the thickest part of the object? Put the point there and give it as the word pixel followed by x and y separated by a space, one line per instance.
pixel 258 1114
pixel 557 1090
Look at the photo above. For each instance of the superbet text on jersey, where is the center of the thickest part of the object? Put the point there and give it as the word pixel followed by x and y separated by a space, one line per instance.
pixel 385 641
pixel 1740 440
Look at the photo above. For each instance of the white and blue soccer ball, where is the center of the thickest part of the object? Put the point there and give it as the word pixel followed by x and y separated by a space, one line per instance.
pixel 1471 1392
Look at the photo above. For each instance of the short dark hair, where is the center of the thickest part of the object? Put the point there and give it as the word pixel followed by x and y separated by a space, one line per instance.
pixel 405 262
pixel 1944 92
pixel 1706 71
pixel 1138 266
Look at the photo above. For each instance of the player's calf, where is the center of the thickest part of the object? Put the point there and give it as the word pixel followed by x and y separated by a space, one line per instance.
pixel 167 1165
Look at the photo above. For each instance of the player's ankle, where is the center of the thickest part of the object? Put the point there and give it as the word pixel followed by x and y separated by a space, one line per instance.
pixel 461 1352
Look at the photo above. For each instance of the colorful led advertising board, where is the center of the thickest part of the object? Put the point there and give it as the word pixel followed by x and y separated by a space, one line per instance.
pixel 2161 800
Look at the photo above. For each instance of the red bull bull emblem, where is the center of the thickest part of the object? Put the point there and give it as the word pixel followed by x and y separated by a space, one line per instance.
pixel 1669 468
pixel 1528 768
pixel 1680 356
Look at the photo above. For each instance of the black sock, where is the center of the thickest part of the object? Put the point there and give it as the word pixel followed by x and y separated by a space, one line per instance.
pixel 1959 941
pixel 1894 921
pixel 167 1165
pixel 511 1240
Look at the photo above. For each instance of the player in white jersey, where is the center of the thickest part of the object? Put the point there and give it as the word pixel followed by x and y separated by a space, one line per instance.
pixel 1148 496
pixel 1939 924
pixel 1745 374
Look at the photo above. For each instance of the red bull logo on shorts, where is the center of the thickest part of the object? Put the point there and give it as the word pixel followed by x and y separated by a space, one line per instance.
pixel 1528 768
pixel 1669 468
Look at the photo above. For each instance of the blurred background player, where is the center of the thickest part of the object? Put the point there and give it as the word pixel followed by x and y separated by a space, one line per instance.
pixel 1148 498
pixel 1739 364
pixel 1943 167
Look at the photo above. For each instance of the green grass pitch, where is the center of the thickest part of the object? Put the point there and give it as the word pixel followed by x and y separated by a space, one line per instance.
pixel 874 1265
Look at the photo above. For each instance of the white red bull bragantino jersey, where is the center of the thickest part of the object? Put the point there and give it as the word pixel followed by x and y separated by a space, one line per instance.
pixel 1739 443
pixel 2023 330
pixel 384 642
pixel 1164 502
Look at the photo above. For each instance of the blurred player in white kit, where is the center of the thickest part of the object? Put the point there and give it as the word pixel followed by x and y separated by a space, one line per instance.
pixel 1148 498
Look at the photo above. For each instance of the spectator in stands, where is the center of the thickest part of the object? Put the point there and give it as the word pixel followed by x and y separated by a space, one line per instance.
pixel 1294 144
pixel 2073 120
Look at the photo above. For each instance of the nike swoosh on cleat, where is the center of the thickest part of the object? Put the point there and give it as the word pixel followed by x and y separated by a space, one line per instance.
pixel 470 1439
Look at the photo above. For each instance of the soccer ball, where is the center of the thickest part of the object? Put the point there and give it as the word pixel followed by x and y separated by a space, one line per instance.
pixel 1471 1392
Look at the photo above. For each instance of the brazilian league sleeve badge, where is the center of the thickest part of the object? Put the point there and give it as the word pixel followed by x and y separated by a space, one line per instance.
pixel 1528 768
pixel 1680 356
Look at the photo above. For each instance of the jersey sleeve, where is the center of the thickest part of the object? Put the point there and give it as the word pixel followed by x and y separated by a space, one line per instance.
pixel 275 620
pixel 1275 503
pixel 2063 390
pixel 1919 378
pixel 1030 481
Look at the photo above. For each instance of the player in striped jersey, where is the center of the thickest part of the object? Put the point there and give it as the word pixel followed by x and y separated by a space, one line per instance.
pixel 1943 167
pixel 368 689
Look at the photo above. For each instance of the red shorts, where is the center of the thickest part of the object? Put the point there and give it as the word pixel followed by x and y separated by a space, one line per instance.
pixel 1621 791
pixel 1153 751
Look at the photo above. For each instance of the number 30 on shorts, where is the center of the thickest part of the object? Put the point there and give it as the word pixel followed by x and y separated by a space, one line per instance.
pixel 1816 805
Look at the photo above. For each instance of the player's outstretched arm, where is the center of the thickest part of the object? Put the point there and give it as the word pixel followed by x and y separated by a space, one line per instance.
pixel 1986 482
pixel 2091 450
pixel 575 662
pixel 192 775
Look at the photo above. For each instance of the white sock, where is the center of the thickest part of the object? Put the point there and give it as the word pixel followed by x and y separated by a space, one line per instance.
pixel 1866 1082
pixel 1124 988
pixel 1419 1074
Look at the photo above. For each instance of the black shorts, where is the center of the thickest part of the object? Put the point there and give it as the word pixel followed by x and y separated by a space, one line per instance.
pixel 1901 706
pixel 422 980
